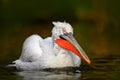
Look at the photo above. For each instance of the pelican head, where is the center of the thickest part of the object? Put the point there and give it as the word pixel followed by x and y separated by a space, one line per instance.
pixel 62 35
pixel 60 28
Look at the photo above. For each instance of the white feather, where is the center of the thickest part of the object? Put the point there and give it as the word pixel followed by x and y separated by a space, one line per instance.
pixel 38 53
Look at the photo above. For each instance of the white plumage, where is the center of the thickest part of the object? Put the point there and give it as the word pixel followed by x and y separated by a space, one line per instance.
pixel 38 53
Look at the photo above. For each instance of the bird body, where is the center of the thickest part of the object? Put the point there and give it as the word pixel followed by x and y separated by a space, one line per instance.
pixel 38 53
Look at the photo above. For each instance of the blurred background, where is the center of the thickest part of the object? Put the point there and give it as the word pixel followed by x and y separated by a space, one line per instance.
pixel 96 24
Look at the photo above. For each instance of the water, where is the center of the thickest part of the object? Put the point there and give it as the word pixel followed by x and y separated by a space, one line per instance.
pixel 105 68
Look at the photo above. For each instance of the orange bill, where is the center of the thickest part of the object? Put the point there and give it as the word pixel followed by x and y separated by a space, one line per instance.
pixel 71 45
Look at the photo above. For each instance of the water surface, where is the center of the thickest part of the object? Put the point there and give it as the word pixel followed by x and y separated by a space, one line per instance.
pixel 105 68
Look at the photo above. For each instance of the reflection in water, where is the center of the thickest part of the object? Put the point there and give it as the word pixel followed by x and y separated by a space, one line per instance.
pixel 42 75
pixel 104 68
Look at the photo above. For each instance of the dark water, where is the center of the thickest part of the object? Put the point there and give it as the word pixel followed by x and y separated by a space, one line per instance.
pixel 105 68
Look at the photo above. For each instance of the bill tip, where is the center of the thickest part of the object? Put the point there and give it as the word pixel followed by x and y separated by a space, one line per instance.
pixel 88 61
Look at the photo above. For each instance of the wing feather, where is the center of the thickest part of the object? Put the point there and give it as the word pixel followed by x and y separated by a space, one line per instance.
pixel 31 49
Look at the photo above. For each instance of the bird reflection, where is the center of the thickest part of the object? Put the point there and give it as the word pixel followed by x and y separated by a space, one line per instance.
pixel 45 75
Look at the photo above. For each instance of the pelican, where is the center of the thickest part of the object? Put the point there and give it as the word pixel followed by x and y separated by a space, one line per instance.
pixel 58 51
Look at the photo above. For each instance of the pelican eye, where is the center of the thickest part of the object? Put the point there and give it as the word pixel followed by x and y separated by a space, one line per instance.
pixel 64 30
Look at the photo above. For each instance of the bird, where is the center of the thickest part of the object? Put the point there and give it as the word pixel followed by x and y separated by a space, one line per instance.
pixel 58 51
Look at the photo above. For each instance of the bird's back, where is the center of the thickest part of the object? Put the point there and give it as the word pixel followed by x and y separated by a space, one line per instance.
pixel 35 53
pixel 31 50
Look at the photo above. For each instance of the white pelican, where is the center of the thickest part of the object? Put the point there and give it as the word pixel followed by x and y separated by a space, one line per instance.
pixel 60 50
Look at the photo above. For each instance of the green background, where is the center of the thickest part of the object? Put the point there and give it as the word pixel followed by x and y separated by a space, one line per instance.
pixel 95 22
